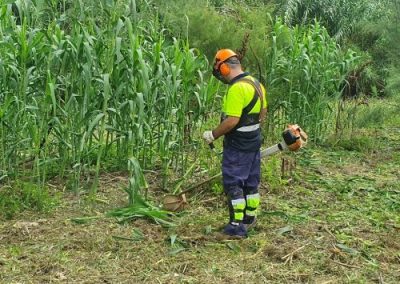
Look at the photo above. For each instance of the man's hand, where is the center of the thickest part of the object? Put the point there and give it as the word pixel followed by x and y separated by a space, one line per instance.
pixel 225 126
pixel 208 136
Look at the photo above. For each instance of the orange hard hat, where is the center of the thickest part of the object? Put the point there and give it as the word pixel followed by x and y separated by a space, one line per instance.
pixel 220 68
pixel 223 55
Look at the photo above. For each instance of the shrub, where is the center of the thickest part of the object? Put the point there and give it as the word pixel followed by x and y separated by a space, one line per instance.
pixel 24 196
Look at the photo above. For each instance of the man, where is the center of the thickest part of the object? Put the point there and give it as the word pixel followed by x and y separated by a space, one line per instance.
pixel 243 110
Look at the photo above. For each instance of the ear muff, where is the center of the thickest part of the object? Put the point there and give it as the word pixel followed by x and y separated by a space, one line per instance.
pixel 221 68
pixel 224 69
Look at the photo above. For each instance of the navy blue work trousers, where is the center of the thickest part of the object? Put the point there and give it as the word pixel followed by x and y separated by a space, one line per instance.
pixel 240 174
pixel 240 169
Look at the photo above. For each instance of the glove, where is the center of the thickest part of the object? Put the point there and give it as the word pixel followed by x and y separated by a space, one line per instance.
pixel 208 136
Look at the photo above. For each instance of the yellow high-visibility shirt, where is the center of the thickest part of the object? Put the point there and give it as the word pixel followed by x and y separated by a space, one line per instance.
pixel 239 95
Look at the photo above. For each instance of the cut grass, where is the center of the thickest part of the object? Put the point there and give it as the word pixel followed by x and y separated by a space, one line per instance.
pixel 334 220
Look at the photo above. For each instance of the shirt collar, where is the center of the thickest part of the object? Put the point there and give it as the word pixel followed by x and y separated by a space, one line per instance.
pixel 238 77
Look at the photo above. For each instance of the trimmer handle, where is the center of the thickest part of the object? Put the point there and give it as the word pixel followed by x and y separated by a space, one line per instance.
pixel 212 146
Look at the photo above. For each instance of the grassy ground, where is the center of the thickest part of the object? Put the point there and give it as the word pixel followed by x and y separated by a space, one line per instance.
pixel 333 216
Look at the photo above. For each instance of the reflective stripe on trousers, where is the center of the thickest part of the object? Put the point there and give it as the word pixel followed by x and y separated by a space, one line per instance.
pixel 238 209
pixel 252 203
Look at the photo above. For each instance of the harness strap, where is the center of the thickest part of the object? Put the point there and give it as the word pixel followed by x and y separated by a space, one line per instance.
pixel 258 94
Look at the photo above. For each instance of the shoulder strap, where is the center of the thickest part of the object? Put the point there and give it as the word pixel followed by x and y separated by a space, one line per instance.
pixel 258 94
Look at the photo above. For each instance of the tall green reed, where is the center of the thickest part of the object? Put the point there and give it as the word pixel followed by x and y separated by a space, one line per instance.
pixel 306 69
pixel 91 93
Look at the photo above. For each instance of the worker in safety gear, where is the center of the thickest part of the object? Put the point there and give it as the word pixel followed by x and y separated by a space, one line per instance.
pixel 244 107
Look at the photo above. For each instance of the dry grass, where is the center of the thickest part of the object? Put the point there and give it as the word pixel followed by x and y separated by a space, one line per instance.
pixel 340 214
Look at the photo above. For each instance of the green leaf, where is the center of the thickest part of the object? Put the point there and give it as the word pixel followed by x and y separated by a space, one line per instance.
pixel 6 2
pixel 347 249
pixel 176 251
pixel 233 246
pixel 276 213
pixel 284 230
pixel 173 239
pixel 208 230
pixel 84 220
pixel 137 234
pixel 124 238
pixel 95 121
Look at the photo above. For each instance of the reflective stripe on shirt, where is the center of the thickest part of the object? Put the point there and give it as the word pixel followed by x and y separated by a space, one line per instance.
pixel 248 128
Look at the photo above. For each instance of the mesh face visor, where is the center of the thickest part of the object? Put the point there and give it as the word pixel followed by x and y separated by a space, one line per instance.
pixel 216 73
pixel 233 60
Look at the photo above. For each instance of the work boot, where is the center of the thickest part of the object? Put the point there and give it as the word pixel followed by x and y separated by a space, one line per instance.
pixel 249 222
pixel 235 230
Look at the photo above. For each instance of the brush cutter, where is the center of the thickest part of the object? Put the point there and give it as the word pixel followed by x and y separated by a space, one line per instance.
pixel 294 138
